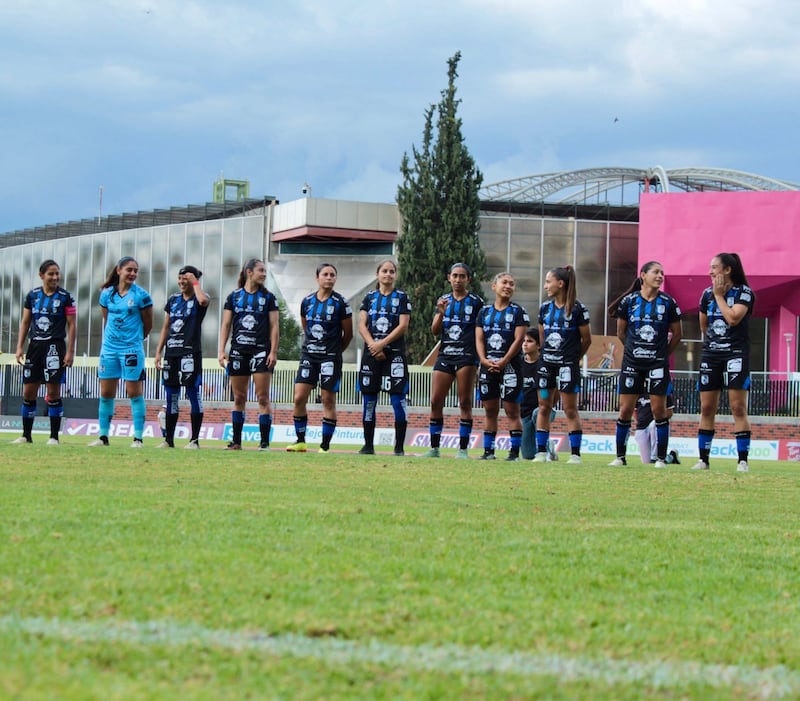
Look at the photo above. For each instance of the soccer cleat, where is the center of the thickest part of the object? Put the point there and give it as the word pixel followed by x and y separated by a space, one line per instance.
pixel 574 460
pixel 52 441
pixel 263 446
pixel 659 464
pixel 22 440
pixel 743 466
pixel 367 450
pixel 432 453
pixel 487 455
pixel 137 443
pixel 700 465
pixel 165 444
pixel 618 462
pixel 673 457
pixel 399 453
pixel 512 457
pixel 192 445
pixel 323 450
pixel 233 446
pixel 462 454
pixel 296 448
pixel 99 442
pixel 540 457
pixel 552 455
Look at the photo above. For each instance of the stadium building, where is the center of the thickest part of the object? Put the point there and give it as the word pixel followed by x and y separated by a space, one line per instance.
pixel 588 218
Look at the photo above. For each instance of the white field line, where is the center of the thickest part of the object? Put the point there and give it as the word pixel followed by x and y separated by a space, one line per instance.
pixel 767 683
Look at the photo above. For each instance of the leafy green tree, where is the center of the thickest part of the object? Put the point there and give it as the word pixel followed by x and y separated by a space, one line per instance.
pixel 290 334
pixel 440 209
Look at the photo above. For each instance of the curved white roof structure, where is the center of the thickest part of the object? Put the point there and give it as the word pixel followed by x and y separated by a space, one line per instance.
pixel 622 186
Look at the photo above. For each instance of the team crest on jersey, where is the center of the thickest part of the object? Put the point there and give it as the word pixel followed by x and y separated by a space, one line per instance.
pixel 731 301
pixel 647 333
pixel 329 310
pixel 248 322
pixel 468 310
pixel 190 304
pixel 317 332
pixel 395 302
pixel 661 308
pixel 509 317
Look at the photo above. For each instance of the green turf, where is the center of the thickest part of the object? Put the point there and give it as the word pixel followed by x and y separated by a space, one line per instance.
pixel 629 569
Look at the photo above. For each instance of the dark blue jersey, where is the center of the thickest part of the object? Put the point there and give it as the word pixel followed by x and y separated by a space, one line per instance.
pixel 185 319
pixel 49 313
pixel 250 330
pixel 458 326
pixel 383 315
pixel 561 342
pixel 324 319
pixel 647 337
pixel 499 328
pixel 721 338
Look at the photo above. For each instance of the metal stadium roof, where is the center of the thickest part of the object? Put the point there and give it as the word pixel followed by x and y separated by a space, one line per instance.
pixel 622 186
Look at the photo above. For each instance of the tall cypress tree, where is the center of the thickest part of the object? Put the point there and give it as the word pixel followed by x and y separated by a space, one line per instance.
pixel 440 209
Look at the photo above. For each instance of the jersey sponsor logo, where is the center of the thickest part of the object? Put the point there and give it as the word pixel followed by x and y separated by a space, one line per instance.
pixel 382 324
pixel 43 324
pixel 243 340
pixel 174 343
pixel 453 350
pixel 326 368
pixel 647 333
pixel 317 332
pixel 495 341
pixel 644 353
pixel 248 322
pixel 454 333
pixel 177 325
pixel 554 340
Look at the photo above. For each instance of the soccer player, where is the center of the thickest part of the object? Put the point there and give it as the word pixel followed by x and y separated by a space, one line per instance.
pixel 566 336
pixel 179 354
pixel 48 320
pixel 455 319
pixel 250 317
pixel 649 326
pixel 327 321
pixel 383 320
pixel 498 339
pixel 725 310
pixel 127 321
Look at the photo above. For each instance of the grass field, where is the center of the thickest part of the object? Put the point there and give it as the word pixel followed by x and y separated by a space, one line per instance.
pixel 211 574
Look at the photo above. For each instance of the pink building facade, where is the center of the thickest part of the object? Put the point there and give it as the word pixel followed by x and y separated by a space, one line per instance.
pixel 684 231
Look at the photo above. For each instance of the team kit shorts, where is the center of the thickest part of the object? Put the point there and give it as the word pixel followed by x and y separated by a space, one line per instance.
pixel 565 378
pixel 182 370
pixel 42 366
pixel 327 371
pixel 638 381
pixel 389 375
pixel 244 364
pixel 729 371
pixel 452 365
pixel 505 385
pixel 125 364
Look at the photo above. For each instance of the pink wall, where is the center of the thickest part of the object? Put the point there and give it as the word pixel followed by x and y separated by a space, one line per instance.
pixel 684 231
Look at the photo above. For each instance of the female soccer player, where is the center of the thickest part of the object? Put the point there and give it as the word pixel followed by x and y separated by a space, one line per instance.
pixel 127 321
pixel 498 339
pixel 725 309
pixel 327 322
pixel 48 319
pixel 455 319
pixel 566 336
pixel 250 317
pixel 382 322
pixel 649 326
pixel 180 344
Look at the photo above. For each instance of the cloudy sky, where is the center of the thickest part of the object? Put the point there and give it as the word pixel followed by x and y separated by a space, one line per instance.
pixel 154 99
